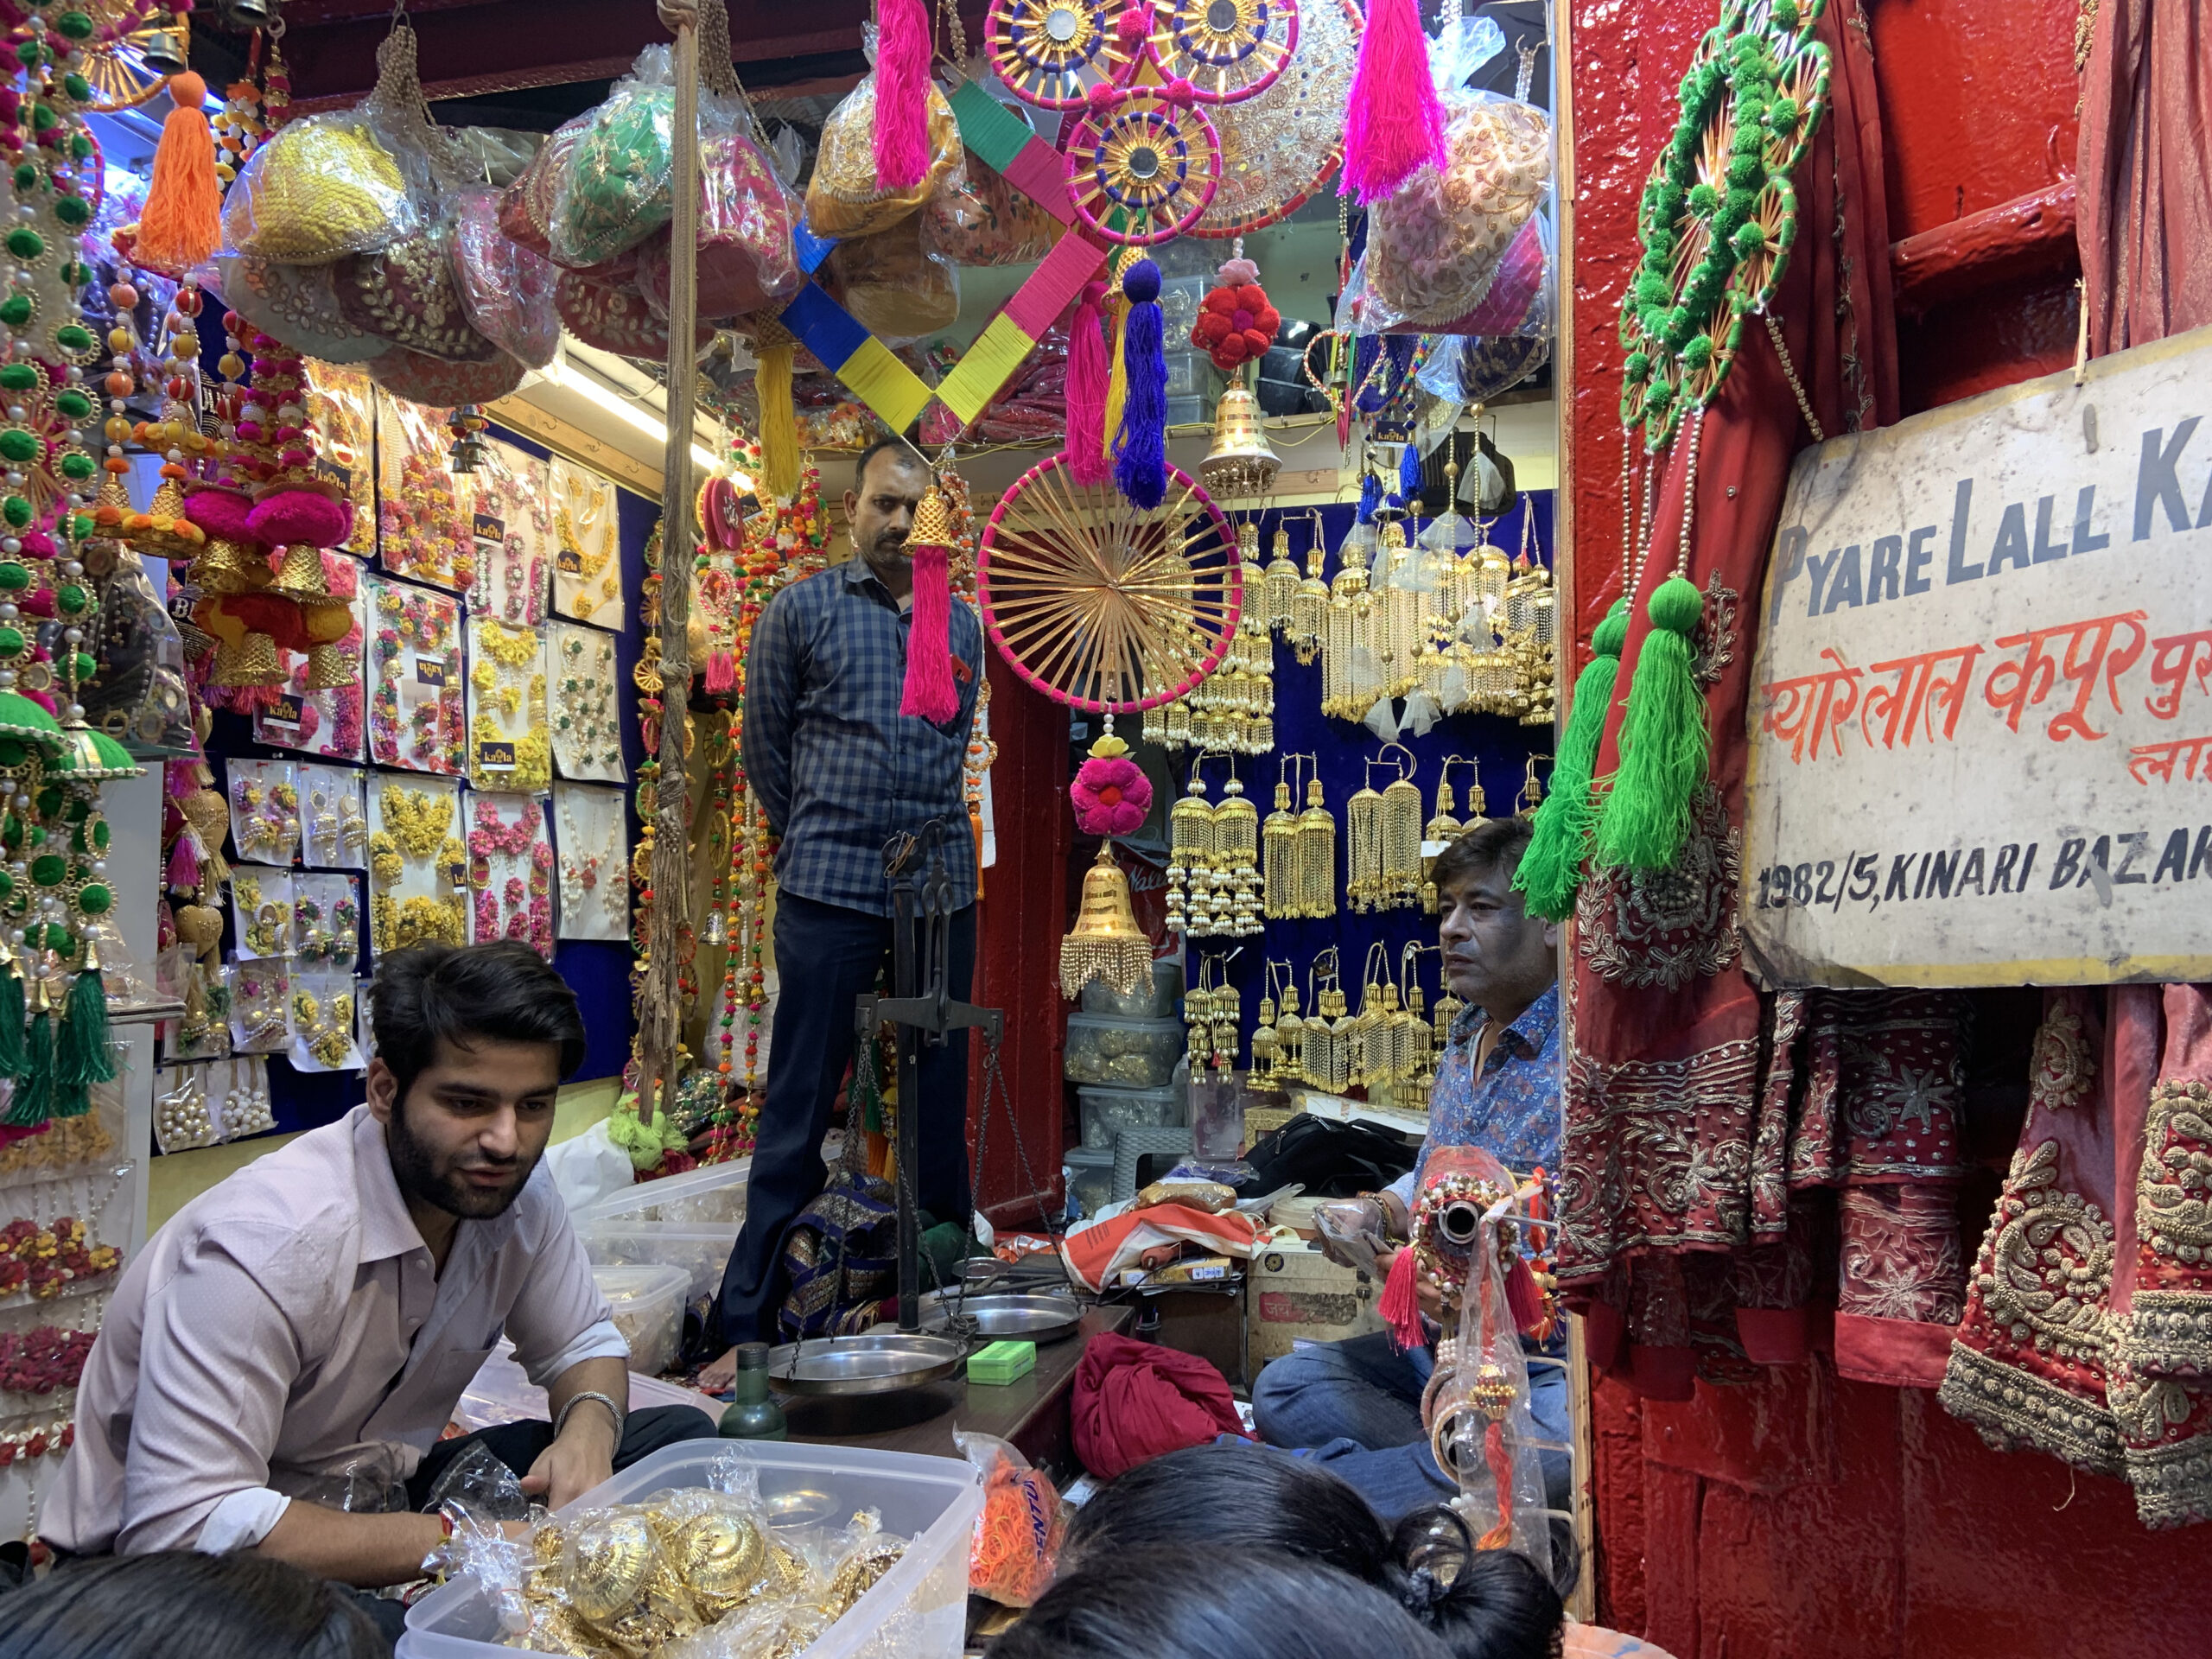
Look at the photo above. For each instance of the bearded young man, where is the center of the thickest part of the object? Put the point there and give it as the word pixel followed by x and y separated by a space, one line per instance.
pixel 287 1349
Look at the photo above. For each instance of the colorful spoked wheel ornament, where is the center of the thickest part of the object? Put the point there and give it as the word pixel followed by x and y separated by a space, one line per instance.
pixel 1100 604
pixel 1051 52
pixel 1141 167
pixel 1229 50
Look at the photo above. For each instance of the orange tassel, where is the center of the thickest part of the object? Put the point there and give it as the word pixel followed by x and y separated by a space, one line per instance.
pixel 182 221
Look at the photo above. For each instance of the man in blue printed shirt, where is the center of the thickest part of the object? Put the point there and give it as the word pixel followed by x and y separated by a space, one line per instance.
pixel 838 771
pixel 1357 1404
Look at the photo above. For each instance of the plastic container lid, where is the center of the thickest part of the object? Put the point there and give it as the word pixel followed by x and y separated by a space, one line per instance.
pixel 919 1610
pixel 715 1193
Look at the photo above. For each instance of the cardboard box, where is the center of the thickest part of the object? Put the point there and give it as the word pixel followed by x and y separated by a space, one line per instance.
pixel 1295 1294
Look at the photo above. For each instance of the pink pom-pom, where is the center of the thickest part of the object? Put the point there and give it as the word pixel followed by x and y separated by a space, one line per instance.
pixel 1133 26
pixel 38 544
pixel 1103 98
pixel 1180 92
pixel 295 515
pixel 219 512
pixel 1112 796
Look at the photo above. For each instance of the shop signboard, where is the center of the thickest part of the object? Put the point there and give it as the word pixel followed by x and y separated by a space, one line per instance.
pixel 1981 731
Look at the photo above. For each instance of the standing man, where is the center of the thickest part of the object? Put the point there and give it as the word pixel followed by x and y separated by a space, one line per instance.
pixel 839 771
pixel 1357 1403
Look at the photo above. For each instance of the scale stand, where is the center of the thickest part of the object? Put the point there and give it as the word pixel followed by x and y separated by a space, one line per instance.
pixel 923 1011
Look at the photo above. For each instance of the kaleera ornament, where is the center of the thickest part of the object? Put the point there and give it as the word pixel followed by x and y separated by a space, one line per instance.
pixel 1112 797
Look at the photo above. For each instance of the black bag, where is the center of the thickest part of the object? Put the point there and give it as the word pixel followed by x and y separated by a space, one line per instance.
pixel 1328 1159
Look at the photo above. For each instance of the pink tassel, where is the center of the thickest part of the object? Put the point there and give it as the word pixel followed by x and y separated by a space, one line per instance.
pixel 1394 122
pixel 902 94
pixel 1401 1304
pixel 1523 1297
pixel 184 864
pixel 929 690
pixel 721 672
pixel 1089 373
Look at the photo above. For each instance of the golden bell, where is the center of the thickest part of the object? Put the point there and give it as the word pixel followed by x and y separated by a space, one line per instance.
pixel 251 662
pixel 163 529
pixel 1240 463
pixel 226 567
pixel 300 573
pixel 1107 942
pixel 329 667
pixel 932 522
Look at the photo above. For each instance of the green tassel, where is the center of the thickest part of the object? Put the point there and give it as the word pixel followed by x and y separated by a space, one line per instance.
pixel 82 1055
pixel 34 1102
pixel 1665 749
pixel 1551 868
pixel 11 1022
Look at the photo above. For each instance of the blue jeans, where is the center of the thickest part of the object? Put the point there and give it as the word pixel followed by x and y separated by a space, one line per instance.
pixel 1357 1405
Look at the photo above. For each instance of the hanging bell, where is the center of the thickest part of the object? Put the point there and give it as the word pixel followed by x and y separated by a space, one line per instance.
pixel 162 48
pixel 226 567
pixel 1107 942
pixel 330 667
pixel 253 661
pixel 1240 463
pixel 244 14
pixel 300 573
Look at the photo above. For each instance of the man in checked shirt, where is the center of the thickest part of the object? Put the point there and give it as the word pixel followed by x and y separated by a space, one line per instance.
pixel 839 771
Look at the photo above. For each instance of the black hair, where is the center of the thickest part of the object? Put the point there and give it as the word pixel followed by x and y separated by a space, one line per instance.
pixel 1487 1603
pixel 907 452
pixel 1213 1603
pixel 1492 844
pixel 502 992
pixel 182 1604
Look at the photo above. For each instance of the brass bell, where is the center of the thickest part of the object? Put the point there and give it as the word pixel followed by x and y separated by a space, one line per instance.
pixel 330 667
pixel 162 48
pixel 226 566
pixel 243 15
pixel 300 574
pixel 251 662
pixel 1240 463
pixel 1107 942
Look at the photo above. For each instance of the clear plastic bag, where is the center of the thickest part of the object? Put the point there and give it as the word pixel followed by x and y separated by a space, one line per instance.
pixel 295 304
pixel 615 191
pixel 139 694
pixel 615 319
pixel 408 295
pixel 1018 1535
pixel 746 219
pixel 318 189
pixel 486 1489
pixel 894 289
pixel 842 198
pixel 1435 246
pixel 527 205
pixel 975 218
pixel 505 288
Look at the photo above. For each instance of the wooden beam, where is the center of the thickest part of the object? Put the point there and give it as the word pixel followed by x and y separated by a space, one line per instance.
pixel 640 478
pixel 2028 236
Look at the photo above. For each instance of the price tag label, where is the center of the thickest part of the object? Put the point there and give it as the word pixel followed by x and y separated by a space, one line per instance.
pixel 335 472
pixel 568 562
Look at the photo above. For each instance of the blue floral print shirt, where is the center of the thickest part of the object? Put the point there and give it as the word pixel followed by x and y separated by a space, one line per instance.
pixel 1512 1111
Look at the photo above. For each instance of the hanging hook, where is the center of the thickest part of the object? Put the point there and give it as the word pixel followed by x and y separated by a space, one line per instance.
pixel 1413 762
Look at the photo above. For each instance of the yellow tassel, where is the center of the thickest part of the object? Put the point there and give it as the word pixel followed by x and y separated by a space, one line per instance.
pixel 1117 383
pixel 181 223
pixel 779 420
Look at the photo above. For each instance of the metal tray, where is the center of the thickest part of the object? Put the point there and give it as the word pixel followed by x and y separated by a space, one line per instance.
pixel 1002 1315
pixel 880 1363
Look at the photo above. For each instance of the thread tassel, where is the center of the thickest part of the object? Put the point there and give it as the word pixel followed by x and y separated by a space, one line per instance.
pixel 1140 446
pixel 11 1019
pixel 82 1050
pixel 771 384
pixel 929 690
pixel 1089 384
pixel 1394 123
pixel 1401 1304
pixel 181 223
pixel 902 92
pixel 1408 474
pixel 1665 748
pixel 1550 872
pixel 33 1104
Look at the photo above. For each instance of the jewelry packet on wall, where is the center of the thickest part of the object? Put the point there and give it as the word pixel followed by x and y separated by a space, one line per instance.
pixel 326 923
pixel 261 912
pixel 264 810
pixel 322 1023
pixel 237 1093
pixel 586 734
pixel 260 1006
pixel 333 817
pixel 182 1118
pixel 508 746
pixel 416 706
pixel 511 870
pixel 202 1032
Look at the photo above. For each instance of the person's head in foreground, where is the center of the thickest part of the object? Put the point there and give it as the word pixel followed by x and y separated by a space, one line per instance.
pixel 183 1605
pixel 1490 1604
pixel 1215 1602
pixel 1496 956
pixel 473 1044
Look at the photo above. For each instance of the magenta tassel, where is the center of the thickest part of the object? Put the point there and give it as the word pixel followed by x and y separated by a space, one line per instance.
pixel 721 672
pixel 902 94
pixel 929 690
pixel 1394 122
pixel 1090 370
pixel 184 864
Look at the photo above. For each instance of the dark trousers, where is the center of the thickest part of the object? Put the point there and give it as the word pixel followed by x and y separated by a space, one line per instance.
pixel 827 958
pixel 520 1445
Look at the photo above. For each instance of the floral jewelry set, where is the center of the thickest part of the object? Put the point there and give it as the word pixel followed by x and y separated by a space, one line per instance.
pixel 413 645
pixel 527 890
pixel 415 845
pixel 586 741
pixel 512 750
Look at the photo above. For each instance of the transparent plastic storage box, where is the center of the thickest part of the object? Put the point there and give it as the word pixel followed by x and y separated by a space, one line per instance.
pixel 701 1252
pixel 1123 1053
pixel 1107 1112
pixel 648 1304
pixel 711 1195
pixel 918 1611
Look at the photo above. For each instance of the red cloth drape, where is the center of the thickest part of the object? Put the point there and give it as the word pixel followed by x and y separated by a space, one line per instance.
pixel 2143 168
pixel 1135 1402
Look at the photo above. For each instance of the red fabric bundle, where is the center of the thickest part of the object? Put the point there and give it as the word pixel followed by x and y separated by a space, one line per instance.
pixel 1135 1402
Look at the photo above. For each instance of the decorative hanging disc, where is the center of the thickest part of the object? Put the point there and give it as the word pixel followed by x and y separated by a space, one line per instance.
pixel 1141 172
pixel 1098 603
pixel 1279 147
pixel 116 69
pixel 1719 213
pixel 1229 50
pixel 1051 52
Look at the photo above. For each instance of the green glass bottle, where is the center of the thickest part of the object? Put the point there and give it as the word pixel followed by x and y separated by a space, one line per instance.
pixel 754 1413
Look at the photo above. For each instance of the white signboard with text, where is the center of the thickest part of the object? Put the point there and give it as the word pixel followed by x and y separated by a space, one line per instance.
pixel 1981 725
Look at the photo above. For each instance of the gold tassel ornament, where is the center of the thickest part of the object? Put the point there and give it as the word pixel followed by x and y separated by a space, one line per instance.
pixel 1107 944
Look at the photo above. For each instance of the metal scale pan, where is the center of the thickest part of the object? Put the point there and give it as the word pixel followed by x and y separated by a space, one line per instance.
pixel 883 1362
pixel 1001 1316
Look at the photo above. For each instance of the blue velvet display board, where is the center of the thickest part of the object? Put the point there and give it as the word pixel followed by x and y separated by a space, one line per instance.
pixel 599 971
pixel 1499 746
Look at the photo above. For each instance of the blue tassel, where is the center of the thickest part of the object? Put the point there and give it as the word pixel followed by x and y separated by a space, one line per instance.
pixel 1140 445
pixel 1370 495
pixel 1408 474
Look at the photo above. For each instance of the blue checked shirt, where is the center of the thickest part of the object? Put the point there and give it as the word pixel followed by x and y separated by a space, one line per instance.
pixel 836 768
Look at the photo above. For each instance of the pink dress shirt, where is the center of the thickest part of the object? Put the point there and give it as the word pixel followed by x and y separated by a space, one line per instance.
pixel 286 1334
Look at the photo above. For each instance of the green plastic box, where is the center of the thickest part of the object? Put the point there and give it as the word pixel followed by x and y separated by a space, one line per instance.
pixel 1002 1362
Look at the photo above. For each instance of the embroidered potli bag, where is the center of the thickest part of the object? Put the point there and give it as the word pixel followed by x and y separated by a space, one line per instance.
pixel 841 1254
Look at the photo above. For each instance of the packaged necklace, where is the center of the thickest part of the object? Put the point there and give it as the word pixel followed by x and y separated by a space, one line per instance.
pixel 307 714
pixel 416 703
pixel 334 819
pixel 422 532
pixel 264 810
pixel 587 737
pixel 203 1031
pixel 341 404
pixel 418 863
pixel 586 561
pixel 237 1095
pixel 322 1024
pixel 511 870
pixel 595 863
pixel 261 996
pixel 53 1244
pixel 510 517
pixel 326 923
pixel 508 747
pixel 261 912
pixel 183 1116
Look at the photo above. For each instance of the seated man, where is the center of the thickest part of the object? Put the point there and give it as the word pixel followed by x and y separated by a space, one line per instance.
pixel 286 1351
pixel 1498 1087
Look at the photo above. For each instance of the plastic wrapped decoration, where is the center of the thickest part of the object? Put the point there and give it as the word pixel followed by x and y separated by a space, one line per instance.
pixel 746 260
pixel 894 289
pixel 1435 247
pixel 505 288
pixel 976 218
pixel 527 205
pixel 842 198
pixel 293 302
pixel 342 406
pixel 612 319
pixel 615 191
pixel 437 383
pixel 139 694
pixel 319 189
pixel 407 294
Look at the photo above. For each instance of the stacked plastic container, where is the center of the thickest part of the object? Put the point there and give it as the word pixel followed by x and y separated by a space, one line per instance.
pixel 689 1221
pixel 1123 1052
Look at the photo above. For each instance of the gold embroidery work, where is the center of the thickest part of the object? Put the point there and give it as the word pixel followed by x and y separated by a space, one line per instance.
pixel 1642 929
pixel 2047 1265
